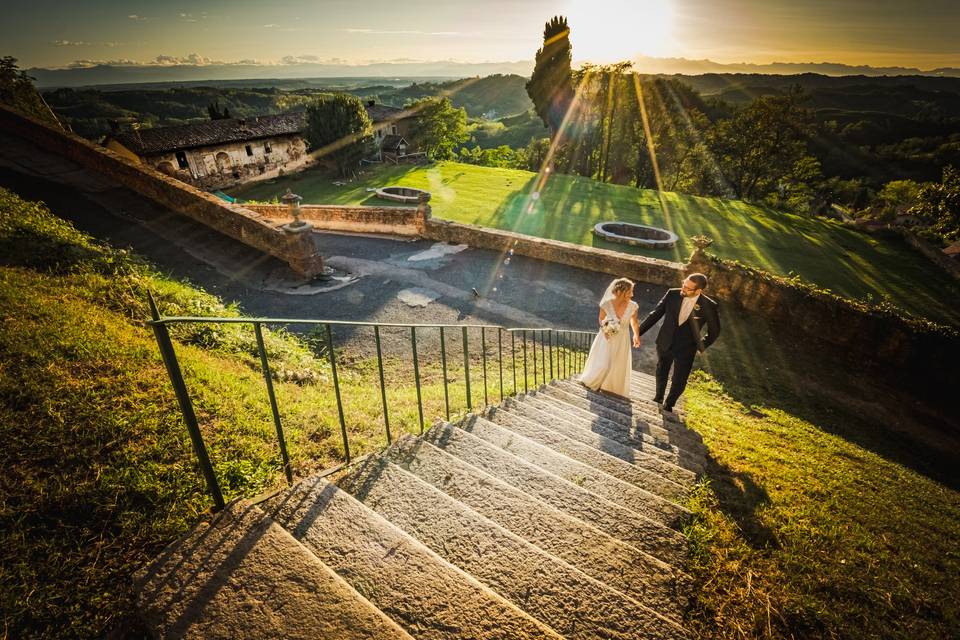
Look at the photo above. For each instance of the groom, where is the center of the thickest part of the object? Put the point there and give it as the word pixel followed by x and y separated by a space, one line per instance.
pixel 685 311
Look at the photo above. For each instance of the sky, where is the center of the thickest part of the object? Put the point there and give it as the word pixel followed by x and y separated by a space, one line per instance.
pixel 58 33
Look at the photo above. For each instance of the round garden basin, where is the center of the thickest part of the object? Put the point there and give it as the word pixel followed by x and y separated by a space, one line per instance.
pixel 636 234
pixel 406 195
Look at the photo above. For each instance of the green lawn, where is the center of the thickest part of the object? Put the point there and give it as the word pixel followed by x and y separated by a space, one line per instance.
pixel 822 252
pixel 824 516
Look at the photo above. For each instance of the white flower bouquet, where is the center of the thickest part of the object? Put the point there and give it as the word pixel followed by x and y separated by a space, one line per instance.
pixel 610 327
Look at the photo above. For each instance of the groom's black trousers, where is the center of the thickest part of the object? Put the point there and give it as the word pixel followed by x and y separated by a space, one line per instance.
pixel 682 363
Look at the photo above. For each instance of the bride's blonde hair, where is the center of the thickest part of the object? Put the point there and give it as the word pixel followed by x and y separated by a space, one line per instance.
pixel 621 285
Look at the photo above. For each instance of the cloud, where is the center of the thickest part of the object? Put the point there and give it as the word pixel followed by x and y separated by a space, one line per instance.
pixel 270 26
pixel 134 16
pixel 193 59
pixel 310 59
pixel 86 64
pixel 81 43
pixel 403 32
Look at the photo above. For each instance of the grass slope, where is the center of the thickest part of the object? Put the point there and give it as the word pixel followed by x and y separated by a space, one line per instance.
pixel 814 523
pixel 800 533
pixel 823 252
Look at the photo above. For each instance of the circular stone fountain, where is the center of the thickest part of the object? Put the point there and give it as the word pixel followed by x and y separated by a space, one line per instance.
pixel 637 234
pixel 406 195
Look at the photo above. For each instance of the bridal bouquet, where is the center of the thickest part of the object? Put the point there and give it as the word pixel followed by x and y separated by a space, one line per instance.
pixel 610 327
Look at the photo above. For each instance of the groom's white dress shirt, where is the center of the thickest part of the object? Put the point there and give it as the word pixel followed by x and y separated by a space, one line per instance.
pixel 686 308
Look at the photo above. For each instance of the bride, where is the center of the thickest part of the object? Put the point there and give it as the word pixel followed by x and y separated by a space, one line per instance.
pixel 609 364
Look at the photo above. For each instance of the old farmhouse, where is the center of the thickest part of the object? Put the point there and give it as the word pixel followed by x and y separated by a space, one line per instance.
pixel 223 153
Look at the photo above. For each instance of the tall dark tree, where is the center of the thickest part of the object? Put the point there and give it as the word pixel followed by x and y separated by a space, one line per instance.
pixel 339 128
pixel 550 87
pixel 213 109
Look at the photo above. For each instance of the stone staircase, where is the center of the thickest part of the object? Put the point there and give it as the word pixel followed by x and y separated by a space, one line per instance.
pixel 554 515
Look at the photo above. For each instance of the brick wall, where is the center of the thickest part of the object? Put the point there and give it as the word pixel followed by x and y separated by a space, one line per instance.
pixel 255 230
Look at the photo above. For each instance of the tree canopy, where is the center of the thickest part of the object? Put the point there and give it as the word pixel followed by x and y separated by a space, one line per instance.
pixel 339 128
pixel 440 127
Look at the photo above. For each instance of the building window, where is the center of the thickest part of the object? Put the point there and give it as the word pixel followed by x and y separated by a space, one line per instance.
pixel 393 129
pixel 266 147
pixel 249 150
pixel 182 160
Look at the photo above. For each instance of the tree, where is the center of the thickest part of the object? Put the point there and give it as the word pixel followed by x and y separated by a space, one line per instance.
pixel 17 91
pixel 550 86
pixel 439 128
pixel 938 205
pixel 339 128
pixel 897 197
pixel 760 145
pixel 215 113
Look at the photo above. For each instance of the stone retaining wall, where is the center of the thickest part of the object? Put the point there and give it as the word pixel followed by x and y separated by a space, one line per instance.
pixel 615 263
pixel 255 230
pixel 400 221
pixel 875 336
pixel 937 256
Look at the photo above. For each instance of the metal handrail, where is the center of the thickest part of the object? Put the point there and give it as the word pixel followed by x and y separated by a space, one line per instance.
pixel 568 344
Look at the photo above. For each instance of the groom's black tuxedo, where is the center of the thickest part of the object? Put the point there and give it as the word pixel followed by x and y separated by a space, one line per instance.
pixel 677 344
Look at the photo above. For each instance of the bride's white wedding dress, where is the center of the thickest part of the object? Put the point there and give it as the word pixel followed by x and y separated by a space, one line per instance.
pixel 610 361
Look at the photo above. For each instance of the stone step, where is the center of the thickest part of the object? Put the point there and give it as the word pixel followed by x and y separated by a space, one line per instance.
pixel 645 414
pixel 685 452
pixel 566 599
pixel 637 574
pixel 639 453
pixel 549 399
pixel 244 576
pixel 423 593
pixel 557 401
pixel 595 454
pixel 583 475
pixel 618 521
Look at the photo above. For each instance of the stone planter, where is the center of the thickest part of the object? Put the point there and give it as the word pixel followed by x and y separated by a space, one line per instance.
pixel 636 234
pixel 406 195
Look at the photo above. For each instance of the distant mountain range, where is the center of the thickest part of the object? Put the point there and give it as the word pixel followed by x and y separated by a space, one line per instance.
pixel 114 74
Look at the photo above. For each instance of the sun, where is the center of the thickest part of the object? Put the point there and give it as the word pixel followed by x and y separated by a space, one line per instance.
pixel 604 31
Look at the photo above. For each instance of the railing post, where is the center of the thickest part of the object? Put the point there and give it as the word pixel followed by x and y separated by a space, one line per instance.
pixel 336 391
pixel 169 356
pixel 543 356
pixel 513 359
pixel 416 374
pixel 443 359
pixel 500 358
pixel 534 350
pixel 287 471
pixel 383 386
pixel 466 368
pixel 524 360
pixel 550 336
pixel 483 349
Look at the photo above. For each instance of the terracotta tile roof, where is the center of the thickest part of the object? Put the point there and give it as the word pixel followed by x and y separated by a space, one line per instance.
pixel 204 134
pixel 145 142
pixel 953 250
pixel 381 112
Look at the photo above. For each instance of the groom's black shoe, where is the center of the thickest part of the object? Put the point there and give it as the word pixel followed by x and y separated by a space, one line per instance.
pixel 658 400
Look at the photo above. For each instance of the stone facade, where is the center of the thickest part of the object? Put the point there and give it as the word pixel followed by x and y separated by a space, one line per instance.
pixel 228 165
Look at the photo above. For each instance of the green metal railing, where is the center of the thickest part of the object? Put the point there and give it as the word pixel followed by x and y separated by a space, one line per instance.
pixel 562 353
